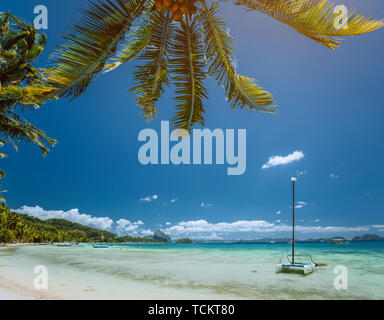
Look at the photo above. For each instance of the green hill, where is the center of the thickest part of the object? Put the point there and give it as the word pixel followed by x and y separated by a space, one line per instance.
pixel 15 227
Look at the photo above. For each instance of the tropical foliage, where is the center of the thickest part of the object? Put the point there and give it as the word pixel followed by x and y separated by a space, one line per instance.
pixel 21 84
pixel 182 53
pixel 16 227
pixel 135 239
pixel 185 241
pixel 22 228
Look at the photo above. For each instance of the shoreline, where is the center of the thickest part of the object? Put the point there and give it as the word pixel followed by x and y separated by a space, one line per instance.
pixel 10 290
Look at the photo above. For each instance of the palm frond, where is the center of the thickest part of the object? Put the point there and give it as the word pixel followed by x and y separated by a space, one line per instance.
pixel 90 43
pixel 152 77
pixel 188 69
pixel 314 18
pixel 13 126
pixel 33 95
pixel 219 46
pixel 137 41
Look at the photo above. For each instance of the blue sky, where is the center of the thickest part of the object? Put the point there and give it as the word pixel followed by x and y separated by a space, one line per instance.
pixel 330 109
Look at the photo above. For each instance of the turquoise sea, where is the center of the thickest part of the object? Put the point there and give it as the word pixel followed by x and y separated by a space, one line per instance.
pixel 197 271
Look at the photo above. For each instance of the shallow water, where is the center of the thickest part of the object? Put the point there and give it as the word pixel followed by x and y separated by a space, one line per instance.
pixel 204 271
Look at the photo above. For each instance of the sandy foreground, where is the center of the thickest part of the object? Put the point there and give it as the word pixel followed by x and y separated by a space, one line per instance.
pixel 13 291
pixel 10 290
pixel 6 295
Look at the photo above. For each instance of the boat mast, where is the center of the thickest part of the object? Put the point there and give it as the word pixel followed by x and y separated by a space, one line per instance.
pixel 293 219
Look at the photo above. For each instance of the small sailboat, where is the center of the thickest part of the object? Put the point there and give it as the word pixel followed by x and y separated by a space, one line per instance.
pixel 305 266
pixel 302 264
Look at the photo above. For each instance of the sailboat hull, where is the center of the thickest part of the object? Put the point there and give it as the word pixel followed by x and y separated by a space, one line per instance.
pixel 301 268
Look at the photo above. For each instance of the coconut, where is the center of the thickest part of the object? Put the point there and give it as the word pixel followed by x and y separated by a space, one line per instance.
pixel 177 15
pixel 174 7
pixel 159 4
pixel 167 3
pixel 184 8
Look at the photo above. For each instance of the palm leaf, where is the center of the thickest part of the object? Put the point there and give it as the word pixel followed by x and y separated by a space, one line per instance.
pixel 153 76
pixel 13 126
pixel 90 43
pixel 314 18
pixel 240 90
pixel 137 41
pixel 33 95
pixel 188 69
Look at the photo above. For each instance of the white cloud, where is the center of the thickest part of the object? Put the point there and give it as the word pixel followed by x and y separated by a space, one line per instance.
pixel 282 160
pixel 198 226
pixel 334 176
pixel 302 172
pixel 149 198
pixel 278 212
pixel 170 201
pixel 300 204
pixel 203 204
pixel 212 236
pixel 146 232
pixel 127 227
pixel 197 229
pixel 201 228
pixel 73 215
pixel 377 226
pixel 113 67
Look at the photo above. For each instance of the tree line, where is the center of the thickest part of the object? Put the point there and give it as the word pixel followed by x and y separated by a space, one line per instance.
pixel 21 228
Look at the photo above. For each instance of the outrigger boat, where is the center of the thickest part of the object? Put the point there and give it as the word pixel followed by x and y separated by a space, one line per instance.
pixel 65 245
pixel 305 264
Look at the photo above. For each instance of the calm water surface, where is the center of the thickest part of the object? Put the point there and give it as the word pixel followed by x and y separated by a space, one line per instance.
pixel 198 271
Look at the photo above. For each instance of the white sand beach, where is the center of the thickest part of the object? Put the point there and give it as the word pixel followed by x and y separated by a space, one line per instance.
pixel 142 272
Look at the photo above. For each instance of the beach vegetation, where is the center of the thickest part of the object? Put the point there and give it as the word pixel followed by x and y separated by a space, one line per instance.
pixel 184 240
pixel 21 84
pixel 21 228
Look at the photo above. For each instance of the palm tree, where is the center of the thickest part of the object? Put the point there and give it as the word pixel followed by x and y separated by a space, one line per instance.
pixel 182 42
pixel 21 84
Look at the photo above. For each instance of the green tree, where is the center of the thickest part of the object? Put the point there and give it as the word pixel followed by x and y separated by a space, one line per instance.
pixel 21 84
pixel 184 53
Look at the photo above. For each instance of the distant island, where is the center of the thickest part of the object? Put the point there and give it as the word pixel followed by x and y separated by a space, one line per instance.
pixel 185 240
pixel 368 237
pixel 336 239
pixel 160 236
